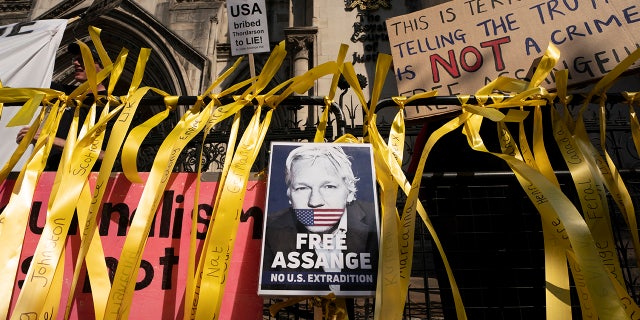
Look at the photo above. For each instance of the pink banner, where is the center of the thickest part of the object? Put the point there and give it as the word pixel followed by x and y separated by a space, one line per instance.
pixel 162 276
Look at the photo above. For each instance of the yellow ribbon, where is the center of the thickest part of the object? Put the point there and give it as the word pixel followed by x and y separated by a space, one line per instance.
pixel 15 215
pixel 217 250
pixel 124 281
pixel 607 171
pixel 91 246
pixel 131 146
pixel 192 278
pixel 39 277
pixel 611 176
pixel 389 298
pixel 389 295
pixel 25 114
pixel 556 273
pixel 328 100
pixel 412 192
pixel 94 33
pixel 602 290
pixel 23 145
pixel 556 276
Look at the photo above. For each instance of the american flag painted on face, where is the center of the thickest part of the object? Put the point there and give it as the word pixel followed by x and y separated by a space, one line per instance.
pixel 319 217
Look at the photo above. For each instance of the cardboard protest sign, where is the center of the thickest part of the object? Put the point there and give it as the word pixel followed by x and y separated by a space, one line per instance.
pixel 459 46
pixel 248 30
pixel 322 228
pixel 160 288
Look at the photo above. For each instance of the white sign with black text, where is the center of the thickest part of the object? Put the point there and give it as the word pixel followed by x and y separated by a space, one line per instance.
pixel 248 30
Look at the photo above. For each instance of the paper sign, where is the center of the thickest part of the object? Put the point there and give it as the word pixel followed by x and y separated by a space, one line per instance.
pixel 459 46
pixel 160 288
pixel 248 30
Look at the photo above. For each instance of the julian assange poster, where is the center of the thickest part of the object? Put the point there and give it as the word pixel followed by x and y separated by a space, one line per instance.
pixel 321 233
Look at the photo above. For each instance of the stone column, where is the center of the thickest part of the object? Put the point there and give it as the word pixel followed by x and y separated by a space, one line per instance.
pixel 300 43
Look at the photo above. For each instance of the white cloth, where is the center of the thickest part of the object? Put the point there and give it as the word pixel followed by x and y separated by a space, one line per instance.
pixel 27 56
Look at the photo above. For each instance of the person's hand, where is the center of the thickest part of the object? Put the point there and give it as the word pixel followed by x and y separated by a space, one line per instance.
pixel 23 132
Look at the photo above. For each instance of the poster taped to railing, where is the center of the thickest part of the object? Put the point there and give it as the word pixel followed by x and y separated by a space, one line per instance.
pixel 322 227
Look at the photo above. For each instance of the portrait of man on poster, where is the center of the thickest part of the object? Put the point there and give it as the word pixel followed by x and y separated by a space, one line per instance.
pixel 321 230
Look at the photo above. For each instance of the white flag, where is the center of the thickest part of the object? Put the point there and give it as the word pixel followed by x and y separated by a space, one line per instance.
pixel 27 55
pixel 28 52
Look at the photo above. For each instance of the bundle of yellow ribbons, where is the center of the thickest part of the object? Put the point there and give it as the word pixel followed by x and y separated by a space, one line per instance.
pixel 572 240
